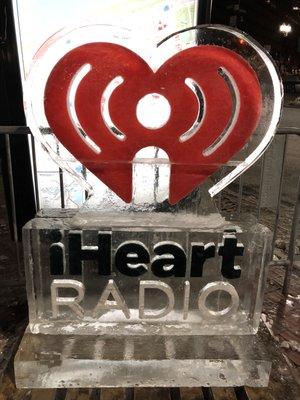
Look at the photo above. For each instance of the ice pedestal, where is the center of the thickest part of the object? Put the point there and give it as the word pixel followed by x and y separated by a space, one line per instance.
pixel 45 361
pixel 139 297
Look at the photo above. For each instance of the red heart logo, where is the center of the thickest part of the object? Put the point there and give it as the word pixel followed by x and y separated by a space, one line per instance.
pixel 214 97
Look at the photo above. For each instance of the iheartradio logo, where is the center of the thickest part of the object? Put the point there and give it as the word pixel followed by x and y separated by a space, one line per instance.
pixel 204 104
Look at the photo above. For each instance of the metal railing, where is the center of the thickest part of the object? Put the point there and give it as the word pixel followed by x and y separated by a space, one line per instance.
pixel 267 195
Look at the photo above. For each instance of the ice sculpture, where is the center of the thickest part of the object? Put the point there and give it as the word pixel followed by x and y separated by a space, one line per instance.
pixel 147 284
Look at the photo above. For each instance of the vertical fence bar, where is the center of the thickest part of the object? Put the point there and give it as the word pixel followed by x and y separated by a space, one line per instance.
pixel 292 245
pixel 240 198
pixel 262 167
pixel 84 174
pixel 13 202
pixel 220 195
pixel 35 175
pixel 279 195
pixel 61 181
pixel 61 188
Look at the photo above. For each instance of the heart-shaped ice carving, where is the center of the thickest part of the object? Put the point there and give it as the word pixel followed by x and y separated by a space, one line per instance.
pixel 93 89
pixel 215 102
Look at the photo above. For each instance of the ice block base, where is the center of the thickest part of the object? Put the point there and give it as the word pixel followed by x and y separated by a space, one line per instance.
pixel 65 361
